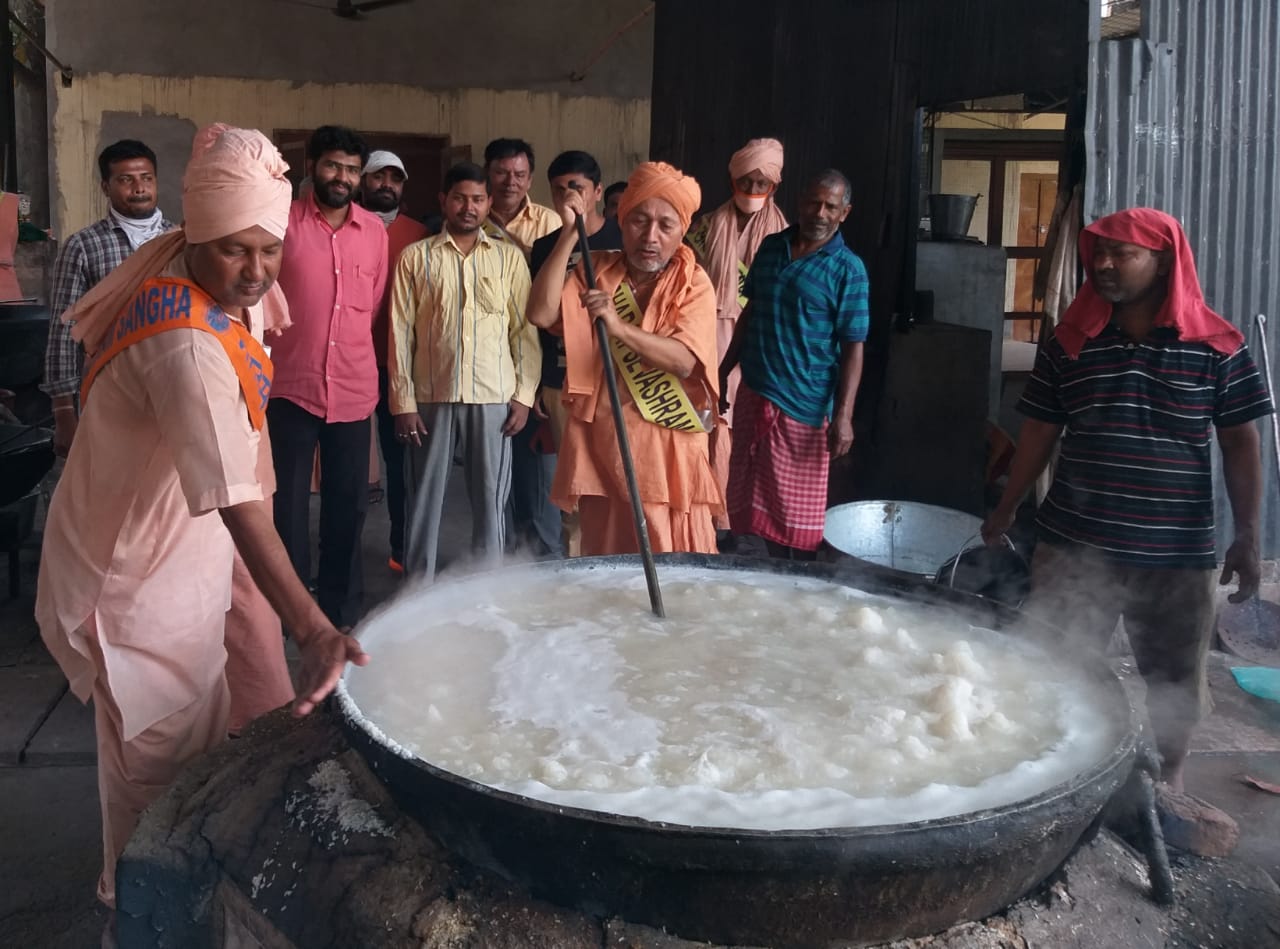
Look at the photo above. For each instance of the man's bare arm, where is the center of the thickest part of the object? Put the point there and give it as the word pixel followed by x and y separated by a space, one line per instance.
pixel 325 651
pixel 1035 447
pixel 1242 472
pixel 840 433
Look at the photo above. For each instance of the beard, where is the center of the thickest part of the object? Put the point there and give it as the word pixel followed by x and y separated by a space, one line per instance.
pixel 383 200
pixel 647 264
pixel 327 193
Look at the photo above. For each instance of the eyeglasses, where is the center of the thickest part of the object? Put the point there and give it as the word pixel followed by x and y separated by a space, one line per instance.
pixel 337 167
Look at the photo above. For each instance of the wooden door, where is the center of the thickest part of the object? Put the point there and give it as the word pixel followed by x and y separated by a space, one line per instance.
pixel 1036 196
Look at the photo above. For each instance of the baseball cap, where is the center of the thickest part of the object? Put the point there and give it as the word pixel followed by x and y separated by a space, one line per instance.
pixel 383 159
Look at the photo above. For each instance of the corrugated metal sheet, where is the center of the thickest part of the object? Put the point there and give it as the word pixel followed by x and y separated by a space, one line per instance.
pixel 1184 119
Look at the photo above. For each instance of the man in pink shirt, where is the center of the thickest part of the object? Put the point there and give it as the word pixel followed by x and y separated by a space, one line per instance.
pixel 326 383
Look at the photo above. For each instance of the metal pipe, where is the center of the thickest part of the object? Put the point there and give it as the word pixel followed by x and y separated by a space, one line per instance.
pixel 1261 321
pixel 624 445
pixel 22 28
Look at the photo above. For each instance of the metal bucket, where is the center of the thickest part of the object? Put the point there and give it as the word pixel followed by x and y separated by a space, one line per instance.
pixel 950 215
pixel 906 536
pixel 787 889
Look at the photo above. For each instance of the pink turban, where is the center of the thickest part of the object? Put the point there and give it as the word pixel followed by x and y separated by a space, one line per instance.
pixel 657 179
pixel 235 179
pixel 762 153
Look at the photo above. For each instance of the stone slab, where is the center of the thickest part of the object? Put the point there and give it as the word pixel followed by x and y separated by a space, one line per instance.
pixel 1217 779
pixel 30 693
pixel 66 737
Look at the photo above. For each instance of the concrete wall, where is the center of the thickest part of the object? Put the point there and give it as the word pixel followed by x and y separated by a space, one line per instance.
pixel 496 44
pixel 469 73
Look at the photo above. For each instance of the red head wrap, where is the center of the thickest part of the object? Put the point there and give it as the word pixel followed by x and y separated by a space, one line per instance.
pixel 1184 308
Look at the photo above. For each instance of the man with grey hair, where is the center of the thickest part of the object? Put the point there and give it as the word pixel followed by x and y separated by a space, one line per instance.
pixel 799 342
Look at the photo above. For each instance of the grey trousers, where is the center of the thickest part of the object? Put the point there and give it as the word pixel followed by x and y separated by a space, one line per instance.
pixel 474 432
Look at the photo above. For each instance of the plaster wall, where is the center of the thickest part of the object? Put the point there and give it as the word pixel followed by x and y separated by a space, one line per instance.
pixel 164 111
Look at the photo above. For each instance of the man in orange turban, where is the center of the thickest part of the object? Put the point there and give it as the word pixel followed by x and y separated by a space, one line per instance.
pixel 659 308
pixel 161 486
pixel 726 241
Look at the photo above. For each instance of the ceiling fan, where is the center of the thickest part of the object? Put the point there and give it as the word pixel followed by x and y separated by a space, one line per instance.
pixel 352 9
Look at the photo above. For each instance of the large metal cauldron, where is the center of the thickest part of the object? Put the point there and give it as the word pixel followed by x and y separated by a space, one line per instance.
pixel 785 889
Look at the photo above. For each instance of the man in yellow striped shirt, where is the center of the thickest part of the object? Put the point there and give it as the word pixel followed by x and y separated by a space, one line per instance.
pixel 463 367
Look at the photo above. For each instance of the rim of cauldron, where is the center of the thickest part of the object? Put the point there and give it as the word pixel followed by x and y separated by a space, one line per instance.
pixel 355 721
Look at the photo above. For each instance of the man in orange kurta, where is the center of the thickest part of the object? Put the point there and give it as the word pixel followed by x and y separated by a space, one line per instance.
pixel 161 490
pixel 675 334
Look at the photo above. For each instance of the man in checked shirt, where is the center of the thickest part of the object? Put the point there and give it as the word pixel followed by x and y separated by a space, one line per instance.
pixel 128 170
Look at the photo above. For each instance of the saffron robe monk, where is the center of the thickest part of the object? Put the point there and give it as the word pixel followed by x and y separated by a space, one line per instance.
pixel 674 338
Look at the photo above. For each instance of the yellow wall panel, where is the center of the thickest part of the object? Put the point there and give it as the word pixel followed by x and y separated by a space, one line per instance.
pixel 615 130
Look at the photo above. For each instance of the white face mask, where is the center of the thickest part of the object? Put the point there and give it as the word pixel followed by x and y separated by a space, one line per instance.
pixel 749 203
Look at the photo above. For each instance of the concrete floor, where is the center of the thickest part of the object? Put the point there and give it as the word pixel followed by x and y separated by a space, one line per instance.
pixel 49 825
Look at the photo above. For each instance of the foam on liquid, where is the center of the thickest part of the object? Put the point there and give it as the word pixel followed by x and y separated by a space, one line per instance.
pixel 761 702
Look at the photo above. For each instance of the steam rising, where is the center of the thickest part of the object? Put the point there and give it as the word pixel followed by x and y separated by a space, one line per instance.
pixel 762 702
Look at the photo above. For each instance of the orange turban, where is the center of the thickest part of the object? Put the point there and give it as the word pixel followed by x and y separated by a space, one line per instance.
pixel 762 153
pixel 235 179
pixel 657 179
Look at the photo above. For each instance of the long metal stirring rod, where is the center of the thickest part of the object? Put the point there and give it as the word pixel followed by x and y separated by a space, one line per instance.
pixel 624 445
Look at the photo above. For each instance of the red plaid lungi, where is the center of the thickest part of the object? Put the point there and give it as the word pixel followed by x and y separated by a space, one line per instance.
pixel 777 474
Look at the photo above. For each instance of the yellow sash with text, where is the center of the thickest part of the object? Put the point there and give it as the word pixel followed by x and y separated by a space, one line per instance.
pixel 697 239
pixel 169 303
pixel 658 394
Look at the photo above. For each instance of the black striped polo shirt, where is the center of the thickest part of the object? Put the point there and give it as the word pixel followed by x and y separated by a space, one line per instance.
pixel 1134 477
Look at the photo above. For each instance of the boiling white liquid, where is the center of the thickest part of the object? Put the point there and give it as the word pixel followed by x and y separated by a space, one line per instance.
pixel 760 702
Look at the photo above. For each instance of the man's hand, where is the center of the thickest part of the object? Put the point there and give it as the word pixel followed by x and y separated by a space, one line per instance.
pixel 574 206
pixel 65 423
pixel 539 410
pixel 840 437
pixel 409 428
pixel 997 525
pixel 600 307
pixel 517 416
pixel 1242 562
pixel 325 653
